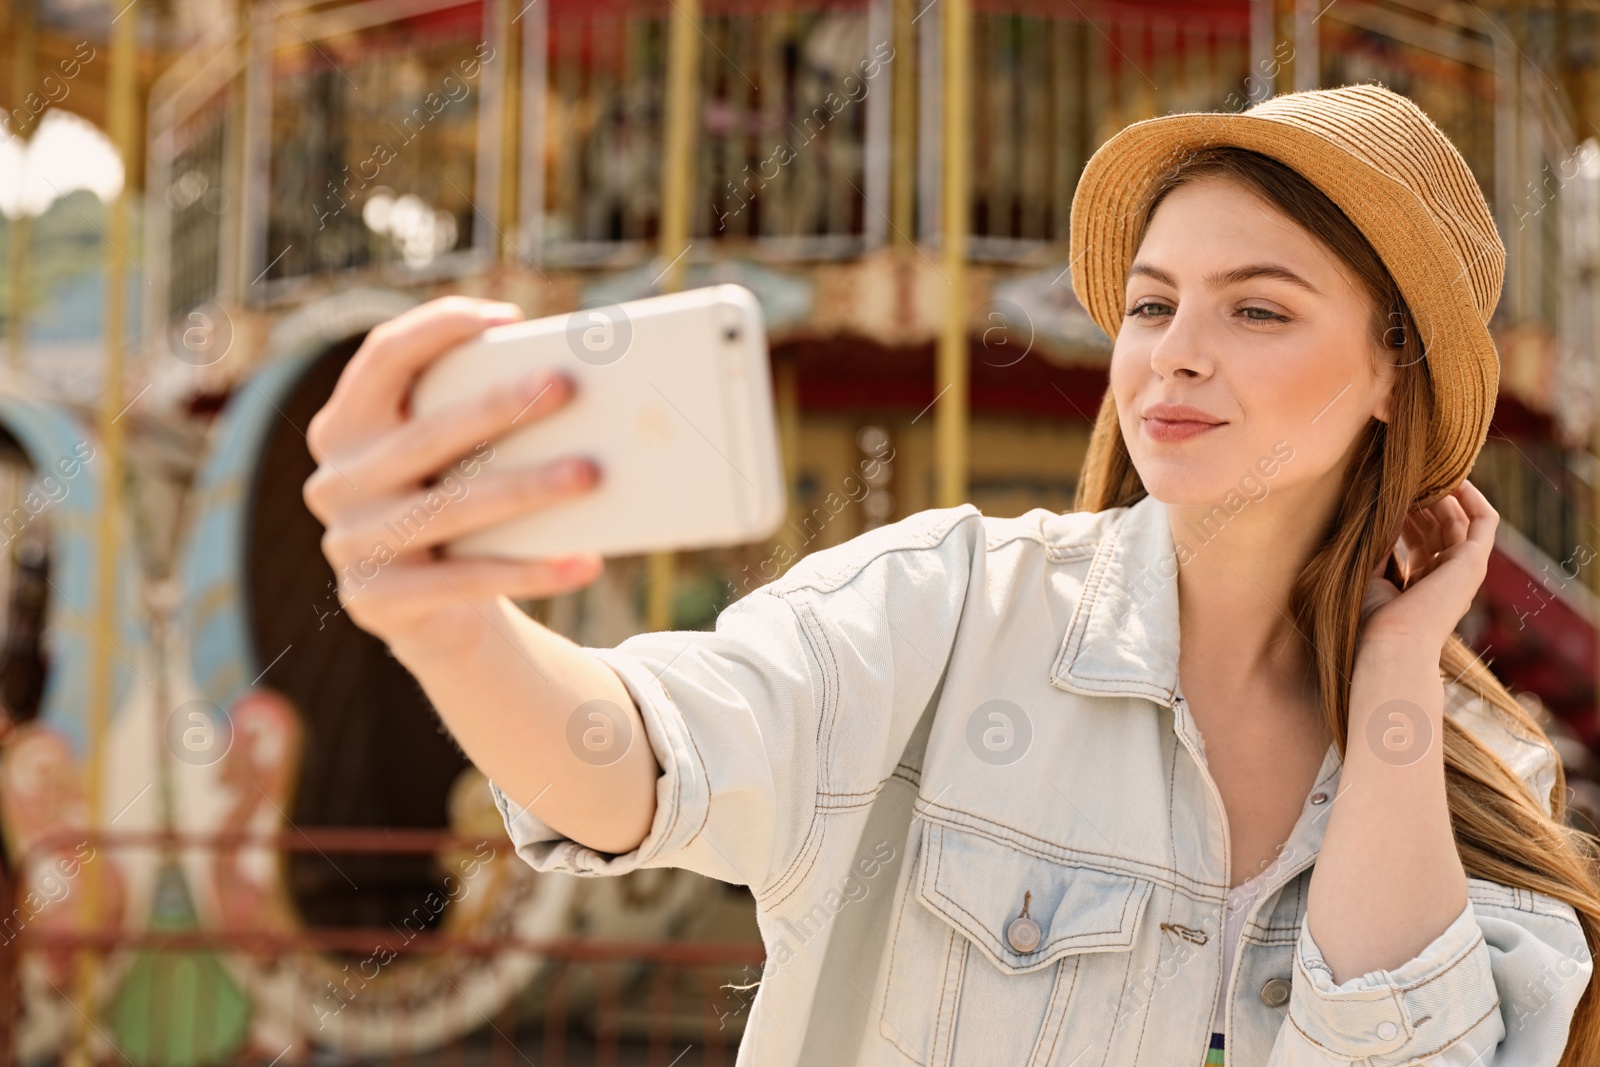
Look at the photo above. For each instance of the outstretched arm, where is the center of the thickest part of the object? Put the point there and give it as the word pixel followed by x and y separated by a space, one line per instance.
pixel 389 489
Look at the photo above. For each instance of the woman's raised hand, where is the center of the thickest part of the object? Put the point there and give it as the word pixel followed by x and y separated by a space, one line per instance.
pixel 390 489
pixel 1445 556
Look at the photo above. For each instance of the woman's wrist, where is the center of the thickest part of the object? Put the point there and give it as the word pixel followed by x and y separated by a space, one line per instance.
pixel 1396 648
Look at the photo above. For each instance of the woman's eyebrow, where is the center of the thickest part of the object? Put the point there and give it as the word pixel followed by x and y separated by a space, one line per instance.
pixel 1230 277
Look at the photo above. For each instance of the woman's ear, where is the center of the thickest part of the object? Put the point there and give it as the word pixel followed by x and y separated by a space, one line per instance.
pixel 1387 376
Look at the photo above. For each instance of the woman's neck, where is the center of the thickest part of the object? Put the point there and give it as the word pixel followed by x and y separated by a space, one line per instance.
pixel 1236 571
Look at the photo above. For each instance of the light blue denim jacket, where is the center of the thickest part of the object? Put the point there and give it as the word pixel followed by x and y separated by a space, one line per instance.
pixel 892 853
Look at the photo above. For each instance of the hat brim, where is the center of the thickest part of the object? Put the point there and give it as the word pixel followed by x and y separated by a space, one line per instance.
pixel 1460 353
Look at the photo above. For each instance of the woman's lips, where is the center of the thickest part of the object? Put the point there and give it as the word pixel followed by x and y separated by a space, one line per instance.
pixel 1177 430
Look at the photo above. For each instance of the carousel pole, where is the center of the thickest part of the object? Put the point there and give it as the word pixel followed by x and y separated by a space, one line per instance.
pixel 683 66
pixel 24 43
pixel 903 128
pixel 120 94
pixel 950 418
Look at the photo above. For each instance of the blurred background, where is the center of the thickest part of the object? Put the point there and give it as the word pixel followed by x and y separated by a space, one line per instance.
pixel 234 830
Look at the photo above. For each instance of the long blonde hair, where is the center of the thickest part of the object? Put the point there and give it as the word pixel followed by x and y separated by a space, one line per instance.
pixel 1502 833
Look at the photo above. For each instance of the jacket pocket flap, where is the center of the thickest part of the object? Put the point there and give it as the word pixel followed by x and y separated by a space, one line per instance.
pixel 978 885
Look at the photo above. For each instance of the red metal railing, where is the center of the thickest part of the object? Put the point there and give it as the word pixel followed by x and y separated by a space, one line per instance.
pixel 634 981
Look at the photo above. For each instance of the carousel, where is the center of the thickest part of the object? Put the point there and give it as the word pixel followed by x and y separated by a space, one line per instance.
pixel 234 827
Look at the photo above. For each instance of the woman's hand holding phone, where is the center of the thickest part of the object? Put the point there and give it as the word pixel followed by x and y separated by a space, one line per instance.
pixel 385 521
pixel 390 489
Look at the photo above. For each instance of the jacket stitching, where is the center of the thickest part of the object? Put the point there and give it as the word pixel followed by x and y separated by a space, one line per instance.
pixel 810 845
pixel 676 810
pixel 1459 959
pixel 1292 1022
pixel 930 537
pixel 944 985
pixel 1410 1056
pixel 806 861
pixel 864 800
pixel 1172 779
pixel 1459 1037
pixel 1122 995
pixel 1145 1022
pixel 829 712
pixel 955 977
pixel 887 1029
pixel 1074 552
pixel 934 891
pixel 1044 1047
pixel 1483 893
pixel 1063 853
pixel 1066 665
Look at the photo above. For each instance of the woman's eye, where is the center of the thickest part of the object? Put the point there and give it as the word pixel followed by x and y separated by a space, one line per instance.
pixel 1251 314
pixel 1137 309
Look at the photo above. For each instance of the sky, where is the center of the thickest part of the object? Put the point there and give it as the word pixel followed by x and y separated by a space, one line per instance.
pixel 66 152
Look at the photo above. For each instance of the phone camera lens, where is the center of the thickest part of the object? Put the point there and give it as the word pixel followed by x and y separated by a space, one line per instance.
pixel 730 333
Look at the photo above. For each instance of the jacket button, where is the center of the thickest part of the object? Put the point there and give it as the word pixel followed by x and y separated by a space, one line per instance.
pixel 1023 934
pixel 1319 798
pixel 1387 1030
pixel 1275 992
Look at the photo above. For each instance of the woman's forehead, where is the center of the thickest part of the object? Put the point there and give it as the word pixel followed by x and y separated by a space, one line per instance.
pixel 1219 228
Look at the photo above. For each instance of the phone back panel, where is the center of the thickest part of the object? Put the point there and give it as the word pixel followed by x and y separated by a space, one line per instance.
pixel 673 401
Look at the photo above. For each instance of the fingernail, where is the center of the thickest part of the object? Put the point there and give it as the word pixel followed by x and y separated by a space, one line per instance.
pixel 571 472
pixel 499 311
pixel 536 383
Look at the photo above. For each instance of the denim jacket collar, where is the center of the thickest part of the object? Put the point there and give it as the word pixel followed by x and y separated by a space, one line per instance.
pixel 1123 638
pixel 1123 641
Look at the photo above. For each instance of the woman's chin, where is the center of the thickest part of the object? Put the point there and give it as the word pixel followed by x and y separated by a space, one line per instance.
pixel 1182 484
pixel 1184 496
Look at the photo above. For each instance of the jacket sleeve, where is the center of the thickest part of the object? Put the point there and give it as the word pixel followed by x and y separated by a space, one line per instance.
pixel 1497 988
pixel 799 701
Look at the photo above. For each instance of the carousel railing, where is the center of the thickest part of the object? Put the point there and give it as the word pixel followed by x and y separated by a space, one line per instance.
pixel 791 128
pixel 661 1003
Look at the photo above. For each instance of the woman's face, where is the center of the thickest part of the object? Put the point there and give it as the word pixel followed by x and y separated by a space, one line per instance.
pixel 1280 372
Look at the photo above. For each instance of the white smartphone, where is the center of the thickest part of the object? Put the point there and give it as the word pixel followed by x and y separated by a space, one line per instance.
pixel 674 404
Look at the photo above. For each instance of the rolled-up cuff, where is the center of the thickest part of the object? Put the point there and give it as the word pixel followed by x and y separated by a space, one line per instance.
pixel 683 795
pixel 1399 1016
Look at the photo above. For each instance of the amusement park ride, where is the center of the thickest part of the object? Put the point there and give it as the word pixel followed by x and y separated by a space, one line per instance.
pixel 200 743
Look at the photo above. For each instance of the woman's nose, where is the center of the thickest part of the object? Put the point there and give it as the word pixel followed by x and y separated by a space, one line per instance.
pixel 1182 348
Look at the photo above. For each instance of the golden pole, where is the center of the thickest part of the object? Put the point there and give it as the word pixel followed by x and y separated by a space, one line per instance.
pixel 510 135
pixel 120 93
pixel 903 127
pixel 950 418
pixel 24 42
pixel 786 394
pixel 683 67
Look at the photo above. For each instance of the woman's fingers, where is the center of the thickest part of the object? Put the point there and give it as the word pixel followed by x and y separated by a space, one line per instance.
pixel 1449 521
pixel 437 514
pixel 369 397
pixel 381 518
pixel 1430 535
pixel 400 590
pixel 1478 518
pixel 416 450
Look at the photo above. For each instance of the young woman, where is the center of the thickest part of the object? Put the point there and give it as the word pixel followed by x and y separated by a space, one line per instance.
pixel 1201 763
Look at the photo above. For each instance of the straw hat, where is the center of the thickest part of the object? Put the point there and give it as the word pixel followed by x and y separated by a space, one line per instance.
pixel 1398 178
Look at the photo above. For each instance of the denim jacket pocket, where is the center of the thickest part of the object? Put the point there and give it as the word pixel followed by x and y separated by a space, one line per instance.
pixel 989 944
